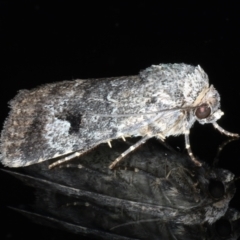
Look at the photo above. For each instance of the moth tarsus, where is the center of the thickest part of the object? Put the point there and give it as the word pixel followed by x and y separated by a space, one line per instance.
pixel 72 117
pixel 221 130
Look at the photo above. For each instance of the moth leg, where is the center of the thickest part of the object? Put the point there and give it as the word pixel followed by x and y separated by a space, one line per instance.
pixel 187 144
pixel 62 160
pixel 133 147
pixel 221 130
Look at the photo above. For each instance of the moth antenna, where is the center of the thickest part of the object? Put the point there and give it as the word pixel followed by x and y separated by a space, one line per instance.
pixel 70 157
pixel 187 144
pixel 133 147
pixel 221 130
pixel 141 114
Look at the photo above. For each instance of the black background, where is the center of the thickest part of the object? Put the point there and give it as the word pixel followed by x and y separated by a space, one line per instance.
pixel 47 41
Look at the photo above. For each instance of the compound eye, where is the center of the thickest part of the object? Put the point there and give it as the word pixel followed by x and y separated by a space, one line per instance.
pixel 216 189
pixel 203 111
pixel 223 228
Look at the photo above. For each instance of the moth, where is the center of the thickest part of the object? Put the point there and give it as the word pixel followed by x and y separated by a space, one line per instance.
pixel 66 119
pixel 155 193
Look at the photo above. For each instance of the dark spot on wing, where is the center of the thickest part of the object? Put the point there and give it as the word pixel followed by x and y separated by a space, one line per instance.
pixel 75 121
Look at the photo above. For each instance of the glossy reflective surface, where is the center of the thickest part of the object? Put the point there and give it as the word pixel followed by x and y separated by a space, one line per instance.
pixel 42 43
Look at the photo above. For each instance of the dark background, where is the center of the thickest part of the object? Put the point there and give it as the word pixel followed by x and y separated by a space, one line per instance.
pixel 47 41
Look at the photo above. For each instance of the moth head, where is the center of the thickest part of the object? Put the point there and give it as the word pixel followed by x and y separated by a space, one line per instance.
pixel 208 110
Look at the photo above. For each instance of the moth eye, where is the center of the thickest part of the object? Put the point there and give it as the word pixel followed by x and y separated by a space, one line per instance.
pixel 223 228
pixel 203 111
pixel 216 189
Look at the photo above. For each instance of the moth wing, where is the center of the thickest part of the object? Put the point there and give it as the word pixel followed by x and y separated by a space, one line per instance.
pixel 60 118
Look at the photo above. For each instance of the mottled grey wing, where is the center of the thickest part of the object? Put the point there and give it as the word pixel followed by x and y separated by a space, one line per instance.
pixel 60 118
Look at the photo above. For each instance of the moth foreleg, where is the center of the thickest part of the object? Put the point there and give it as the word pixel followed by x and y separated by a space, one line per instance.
pixel 133 147
pixel 221 130
pixel 188 147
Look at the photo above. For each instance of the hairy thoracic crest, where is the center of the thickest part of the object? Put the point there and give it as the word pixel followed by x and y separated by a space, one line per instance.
pixel 71 117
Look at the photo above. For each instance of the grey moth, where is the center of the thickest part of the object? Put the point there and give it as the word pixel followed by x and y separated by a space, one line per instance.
pixel 66 119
